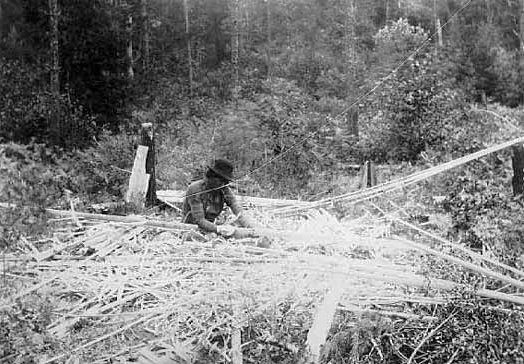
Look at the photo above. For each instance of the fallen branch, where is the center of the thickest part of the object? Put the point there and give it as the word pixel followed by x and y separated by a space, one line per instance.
pixel 408 316
pixel 473 267
pixel 427 337
pixel 323 320
pixel 101 338
pixel 461 248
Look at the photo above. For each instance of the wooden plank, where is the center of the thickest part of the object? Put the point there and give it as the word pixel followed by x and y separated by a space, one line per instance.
pixel 471 266
pixel 135 219
pixel 322 321
pixel 177 197
pixel 139 180
pixel 99 339
pixel 236 337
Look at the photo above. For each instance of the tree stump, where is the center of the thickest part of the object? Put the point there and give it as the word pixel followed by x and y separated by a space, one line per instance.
pixel 352 121
pixel 518 169
pixel 148 140
pixel 368 175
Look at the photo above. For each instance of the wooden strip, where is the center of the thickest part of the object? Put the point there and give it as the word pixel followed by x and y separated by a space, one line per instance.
pixel 236 337
pixel 408 316
pixel 473 267
pixel 368 193
pixel 323 320
pixel 462 249
pixel 60 330
pixel 135 219
pixel 99 339
pixel 139 180
pixel 176 196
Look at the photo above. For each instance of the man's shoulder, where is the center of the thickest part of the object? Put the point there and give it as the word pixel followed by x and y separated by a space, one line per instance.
pixel 196 186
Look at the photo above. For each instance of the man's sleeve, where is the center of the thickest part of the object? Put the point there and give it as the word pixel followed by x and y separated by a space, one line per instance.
pixel 197 210
pixel 232 202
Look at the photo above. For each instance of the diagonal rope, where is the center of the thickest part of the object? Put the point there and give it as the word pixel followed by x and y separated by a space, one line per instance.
pixel 371 91
pixel 368 193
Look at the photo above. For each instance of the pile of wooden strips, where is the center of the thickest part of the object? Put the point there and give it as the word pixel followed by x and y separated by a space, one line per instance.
pixel 369 193
pixel 167 293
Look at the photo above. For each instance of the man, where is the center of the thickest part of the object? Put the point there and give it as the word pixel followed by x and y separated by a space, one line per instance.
pixel 205 198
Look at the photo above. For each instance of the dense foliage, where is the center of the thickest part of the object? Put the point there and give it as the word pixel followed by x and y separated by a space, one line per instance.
pixel 465 331
pixel 326 54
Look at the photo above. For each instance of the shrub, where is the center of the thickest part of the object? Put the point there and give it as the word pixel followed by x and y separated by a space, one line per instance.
pixel 102 171
pixel 23 331
pixel 30 183
pixel 471 333
pixel 277 141
pixel 415 109
pixel 29 112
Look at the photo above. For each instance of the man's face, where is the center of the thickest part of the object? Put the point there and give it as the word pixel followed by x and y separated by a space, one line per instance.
pixel 215 182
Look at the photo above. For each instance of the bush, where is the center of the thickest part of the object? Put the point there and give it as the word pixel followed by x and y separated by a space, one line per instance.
pixel 23 331
pixel 470 332
pixel 102 171
pixel 36 177
pixel 28 112
pixel 413 110
pixel 276 141
pixel 30 183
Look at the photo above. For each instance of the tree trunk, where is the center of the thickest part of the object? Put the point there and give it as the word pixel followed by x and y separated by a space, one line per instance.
pixel 387 12
pixel 352 121
pixel 55 127
pixel 522 43
pixel 440 42
pixel 489 12
pixel 189 58
pixel 246 27
pixel 145 37
pixel 268 29
pixel 436 24
pixel 1 18
pixel 55 65
pixel 234 49
pixel 518 169
pixel 148 139
pixel 351 70
pixel 130 64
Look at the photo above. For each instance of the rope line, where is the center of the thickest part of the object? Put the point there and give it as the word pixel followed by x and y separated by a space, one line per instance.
pixel 371 91
pixel 368 193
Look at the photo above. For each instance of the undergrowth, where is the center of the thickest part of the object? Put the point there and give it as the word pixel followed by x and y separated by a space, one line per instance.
pixel 465 331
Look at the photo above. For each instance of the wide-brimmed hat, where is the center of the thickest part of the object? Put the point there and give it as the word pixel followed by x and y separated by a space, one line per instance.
pixel 223 168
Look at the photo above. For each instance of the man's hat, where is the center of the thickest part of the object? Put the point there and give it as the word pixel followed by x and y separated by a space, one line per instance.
pixel 223 168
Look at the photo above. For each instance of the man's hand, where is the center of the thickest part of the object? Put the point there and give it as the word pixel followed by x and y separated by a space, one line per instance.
pixel 226 230
pixel 242 233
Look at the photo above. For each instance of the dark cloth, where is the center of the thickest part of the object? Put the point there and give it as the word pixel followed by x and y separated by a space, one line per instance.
pixel 202 208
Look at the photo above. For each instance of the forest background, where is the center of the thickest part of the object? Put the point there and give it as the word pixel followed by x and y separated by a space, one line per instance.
pixel 292 91
pixel 310 85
